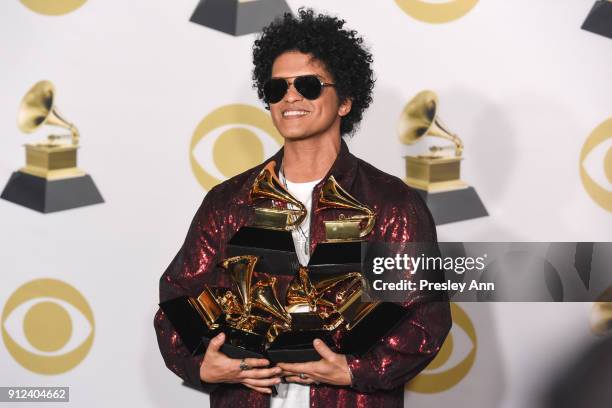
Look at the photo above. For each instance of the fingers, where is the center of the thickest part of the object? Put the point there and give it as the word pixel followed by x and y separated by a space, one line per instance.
pixel 325 352
pixel 297 379
pixel 259 389
pixel 267 382
pixel 285 373
pixel 216 342
pixel 256 362
pixel 261 372
pixel 296 367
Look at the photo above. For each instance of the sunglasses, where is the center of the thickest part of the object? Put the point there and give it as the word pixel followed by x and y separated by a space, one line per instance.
pixel 309 86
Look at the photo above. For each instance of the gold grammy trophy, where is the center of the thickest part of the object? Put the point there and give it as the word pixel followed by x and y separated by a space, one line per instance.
pixel 50 180
pixel 268 187
pixel 268 234
pixel 345 228
pixel 437 175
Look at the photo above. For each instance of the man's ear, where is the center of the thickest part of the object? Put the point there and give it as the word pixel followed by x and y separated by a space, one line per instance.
pixel 345 107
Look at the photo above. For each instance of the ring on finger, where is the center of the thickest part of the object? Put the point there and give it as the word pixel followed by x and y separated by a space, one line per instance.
pixel 302 376
pixel 243 365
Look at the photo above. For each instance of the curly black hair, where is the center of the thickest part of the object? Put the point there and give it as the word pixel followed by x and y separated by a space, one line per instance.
pixel 340 50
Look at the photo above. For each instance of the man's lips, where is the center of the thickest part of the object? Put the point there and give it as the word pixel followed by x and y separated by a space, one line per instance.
pixel 294 113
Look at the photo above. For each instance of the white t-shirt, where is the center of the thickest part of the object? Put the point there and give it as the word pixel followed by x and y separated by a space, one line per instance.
pixel 292 394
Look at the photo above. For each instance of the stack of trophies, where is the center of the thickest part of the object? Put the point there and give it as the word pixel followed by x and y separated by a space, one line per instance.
pixel 331 286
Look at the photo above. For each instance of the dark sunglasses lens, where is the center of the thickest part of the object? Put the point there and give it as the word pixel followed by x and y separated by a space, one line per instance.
pixel 308 86
pixel 274 90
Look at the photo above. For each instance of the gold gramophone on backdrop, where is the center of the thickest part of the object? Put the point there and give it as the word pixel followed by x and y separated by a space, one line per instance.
pixel 601 313
pixel 50 181
pixel 437 175
pixel 238 17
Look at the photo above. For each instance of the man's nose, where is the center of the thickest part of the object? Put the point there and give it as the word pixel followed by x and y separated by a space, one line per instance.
pixel 292 94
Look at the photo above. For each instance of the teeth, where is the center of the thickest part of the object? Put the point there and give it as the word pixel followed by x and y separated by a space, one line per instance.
pixel 295 113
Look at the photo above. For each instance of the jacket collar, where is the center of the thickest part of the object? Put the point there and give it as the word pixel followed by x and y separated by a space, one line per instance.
pixel 343 169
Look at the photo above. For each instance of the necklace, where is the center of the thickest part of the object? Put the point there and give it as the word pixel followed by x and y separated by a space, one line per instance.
pixel 302 238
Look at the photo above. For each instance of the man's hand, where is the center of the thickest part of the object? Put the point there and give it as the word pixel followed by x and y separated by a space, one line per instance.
pixel 331 369
pixel 219 368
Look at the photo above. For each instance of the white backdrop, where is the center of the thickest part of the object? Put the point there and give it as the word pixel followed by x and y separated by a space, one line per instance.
pixel 519 82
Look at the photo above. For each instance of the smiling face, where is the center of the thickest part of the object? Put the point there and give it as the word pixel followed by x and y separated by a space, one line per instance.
pixel 296 117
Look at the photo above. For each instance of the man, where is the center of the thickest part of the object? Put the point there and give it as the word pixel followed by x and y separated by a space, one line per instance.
pixel 316 79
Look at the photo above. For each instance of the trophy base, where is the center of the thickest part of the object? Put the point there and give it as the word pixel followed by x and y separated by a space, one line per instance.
pixel 335 258
pixel 46 196
pixel 188 323
pixel 453 206
pixel 238 17
pixel 234 351
pixel 599 19
pixel 275 249
pixel 297 347
pixel 373 327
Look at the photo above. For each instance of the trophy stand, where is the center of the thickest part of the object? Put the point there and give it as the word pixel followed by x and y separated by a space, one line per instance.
pixel 599 20
pixel 50 180
pixel 238 17
pixel 437 177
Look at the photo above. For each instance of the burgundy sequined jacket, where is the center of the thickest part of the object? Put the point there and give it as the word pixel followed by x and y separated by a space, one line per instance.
pixel 379 375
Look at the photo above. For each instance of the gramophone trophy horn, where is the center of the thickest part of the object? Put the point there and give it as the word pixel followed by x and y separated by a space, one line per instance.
pixel 420 118
pixel 265 298
pixel 437 172
pixel 347 227
pixel 241 269
pixel 268 186
pixel 50 180
pixel 601 314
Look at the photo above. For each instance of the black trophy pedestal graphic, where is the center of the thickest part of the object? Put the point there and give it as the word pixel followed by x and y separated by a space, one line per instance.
pixel 599 20
pixel 454 205
pixel 238 17
pixel 47 196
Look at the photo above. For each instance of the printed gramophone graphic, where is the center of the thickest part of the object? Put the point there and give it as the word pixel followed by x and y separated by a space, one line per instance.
pixel 50 180
pixel 436 176
pixel 599 20
pixel 601 313
pixel 238 17
pixel 331 287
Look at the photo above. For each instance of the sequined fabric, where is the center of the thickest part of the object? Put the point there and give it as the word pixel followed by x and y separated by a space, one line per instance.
pixel 379 375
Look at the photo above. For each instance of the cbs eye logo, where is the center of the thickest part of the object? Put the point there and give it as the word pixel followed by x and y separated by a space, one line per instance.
pixel 439 12
pixel 230 140
pixel 596 165
pixel 53 7
pixel 436 378
pixel 47 326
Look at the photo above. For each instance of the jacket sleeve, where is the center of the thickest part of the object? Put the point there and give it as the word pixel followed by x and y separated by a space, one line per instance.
pixel 407 349
pixel 190 269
